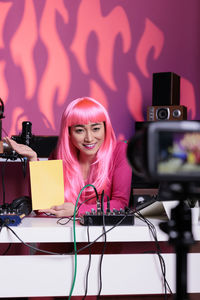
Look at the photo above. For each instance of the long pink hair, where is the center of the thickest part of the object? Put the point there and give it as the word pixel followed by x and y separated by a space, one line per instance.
pixel 83 111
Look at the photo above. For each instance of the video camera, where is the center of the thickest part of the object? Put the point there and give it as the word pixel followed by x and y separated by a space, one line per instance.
pixel 166 151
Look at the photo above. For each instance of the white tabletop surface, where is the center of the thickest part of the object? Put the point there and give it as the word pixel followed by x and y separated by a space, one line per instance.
pixel 47 229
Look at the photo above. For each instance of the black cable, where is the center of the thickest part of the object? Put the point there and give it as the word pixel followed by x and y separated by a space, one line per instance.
pixel 88 245
pixel 70 253
pixel 153 232
pixel 162 263
pixel 10 244
pixel 158 252
pixel 66 222
pixel 74 252
pixel 89 265
pixel 104 246
pixel 71 218
pixel 8 248
pixel 30 246
pixel 37 249
pixel 24 162
pixel 108 230
pixel 164 271
pixel 139 215
pixel 88 200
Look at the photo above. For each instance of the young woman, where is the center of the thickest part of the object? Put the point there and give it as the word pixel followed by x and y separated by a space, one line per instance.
pixel 87 145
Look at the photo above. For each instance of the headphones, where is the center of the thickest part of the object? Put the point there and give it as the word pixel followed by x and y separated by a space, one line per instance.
pixel 23 205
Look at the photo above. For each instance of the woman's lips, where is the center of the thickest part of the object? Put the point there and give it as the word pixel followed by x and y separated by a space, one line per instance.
pixel 89 146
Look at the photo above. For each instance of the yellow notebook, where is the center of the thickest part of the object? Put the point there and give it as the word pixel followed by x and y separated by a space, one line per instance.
pixel 47 183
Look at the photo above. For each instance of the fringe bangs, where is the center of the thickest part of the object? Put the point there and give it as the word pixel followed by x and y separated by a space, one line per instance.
pixel 86 110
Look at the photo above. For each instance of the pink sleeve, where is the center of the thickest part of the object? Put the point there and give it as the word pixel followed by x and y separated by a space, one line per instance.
pixel 120 182
pixel 121 179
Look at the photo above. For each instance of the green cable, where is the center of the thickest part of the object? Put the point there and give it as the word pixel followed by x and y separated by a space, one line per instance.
pixel 74 234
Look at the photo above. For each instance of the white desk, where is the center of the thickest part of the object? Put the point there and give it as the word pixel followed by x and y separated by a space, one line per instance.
pixel 51 275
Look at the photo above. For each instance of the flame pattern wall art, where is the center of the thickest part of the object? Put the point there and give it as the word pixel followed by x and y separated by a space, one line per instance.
pixel 52 52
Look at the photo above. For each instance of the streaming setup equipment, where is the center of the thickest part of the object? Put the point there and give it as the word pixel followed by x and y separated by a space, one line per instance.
pixel 144 192
pixel 160 155
pixel 115 217
pixel 12 214
pixel 42 145
pixel 158 113
pixel 165 152
pixel 165 107
pixel 166 98
pixel 109 217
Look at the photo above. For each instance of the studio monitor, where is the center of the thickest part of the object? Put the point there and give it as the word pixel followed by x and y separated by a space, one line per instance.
pixel 164 113
pixel 166 89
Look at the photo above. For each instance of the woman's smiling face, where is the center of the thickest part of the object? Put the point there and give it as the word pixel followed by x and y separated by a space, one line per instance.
pixel 87 138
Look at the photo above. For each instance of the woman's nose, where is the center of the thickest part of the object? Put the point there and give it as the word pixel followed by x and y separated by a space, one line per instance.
pixel 88 136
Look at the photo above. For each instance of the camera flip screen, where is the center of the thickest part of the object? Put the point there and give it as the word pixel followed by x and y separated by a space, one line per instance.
pixel 166 151
pixel 178 153
pixel 174 150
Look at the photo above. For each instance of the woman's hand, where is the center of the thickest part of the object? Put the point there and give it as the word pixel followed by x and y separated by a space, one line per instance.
pixel 21 149
pixel 64 210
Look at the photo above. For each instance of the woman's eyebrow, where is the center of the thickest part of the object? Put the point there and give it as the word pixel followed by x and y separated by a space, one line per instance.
pixel 79 125
pixel 94 124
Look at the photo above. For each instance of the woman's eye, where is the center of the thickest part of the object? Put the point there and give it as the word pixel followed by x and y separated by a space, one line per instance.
pixel 79 130
pixel 96 128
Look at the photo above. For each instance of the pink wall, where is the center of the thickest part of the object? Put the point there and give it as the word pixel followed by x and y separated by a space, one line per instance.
pixel 54 51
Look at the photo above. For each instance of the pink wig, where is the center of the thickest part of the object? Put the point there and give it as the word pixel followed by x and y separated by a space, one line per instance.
pixel 83 111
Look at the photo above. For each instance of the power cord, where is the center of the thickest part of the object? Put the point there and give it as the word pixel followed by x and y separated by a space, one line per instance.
pixel 69 253
pixel 7 249
pixel 100 236
pixel 104 245
pixel 30 246
pixel 75 252
pixel 74 234
pixel 158 252
pixel 71 218
pixel 89 265
pixel 59 221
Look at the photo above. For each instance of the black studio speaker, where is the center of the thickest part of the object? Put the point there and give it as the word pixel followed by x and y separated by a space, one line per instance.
pixel 166 89
pixel 166 98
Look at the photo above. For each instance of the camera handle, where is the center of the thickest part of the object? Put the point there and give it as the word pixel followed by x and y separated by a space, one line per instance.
pixel 179 229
